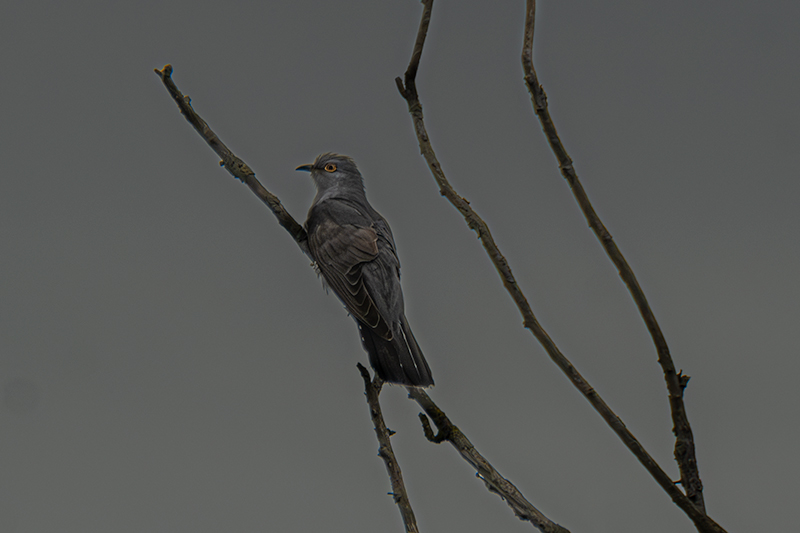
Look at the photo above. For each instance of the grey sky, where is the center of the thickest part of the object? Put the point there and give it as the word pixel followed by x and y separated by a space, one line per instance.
pixel 169 361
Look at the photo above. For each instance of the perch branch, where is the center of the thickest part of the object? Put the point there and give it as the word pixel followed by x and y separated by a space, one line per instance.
pixel 242 172
pixel 676 382
pixel 495 482
pixel 233 164
pixel 474 222
pixel 373 390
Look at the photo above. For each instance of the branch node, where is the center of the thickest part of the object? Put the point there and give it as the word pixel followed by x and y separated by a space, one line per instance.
pixel 494 482
pixel 400 86
pixel 683 380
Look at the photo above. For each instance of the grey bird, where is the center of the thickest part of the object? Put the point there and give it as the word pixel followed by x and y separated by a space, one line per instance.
pixel 353 249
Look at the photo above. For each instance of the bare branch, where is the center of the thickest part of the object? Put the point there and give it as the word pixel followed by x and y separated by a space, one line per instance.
pixel 409 92
pixel 233 164
pixel 242 172
pixel 495 482
pixel 684 444
pixel 373 391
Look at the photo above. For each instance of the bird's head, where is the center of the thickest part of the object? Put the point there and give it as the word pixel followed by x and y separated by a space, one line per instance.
pixel 333 172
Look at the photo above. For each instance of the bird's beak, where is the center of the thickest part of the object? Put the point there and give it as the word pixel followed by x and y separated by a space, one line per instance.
pixel 304 168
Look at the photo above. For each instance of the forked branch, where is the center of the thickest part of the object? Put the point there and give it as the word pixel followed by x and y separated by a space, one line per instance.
pixel 676 382
pixel 408 90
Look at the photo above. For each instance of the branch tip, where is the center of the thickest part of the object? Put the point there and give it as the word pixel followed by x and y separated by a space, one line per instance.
pixel 165 72
pixel 235 166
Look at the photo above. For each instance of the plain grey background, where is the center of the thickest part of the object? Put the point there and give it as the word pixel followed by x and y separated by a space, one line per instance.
pixel 169 361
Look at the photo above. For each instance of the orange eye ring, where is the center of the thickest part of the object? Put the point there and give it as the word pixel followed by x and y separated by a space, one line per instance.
pixel 330 167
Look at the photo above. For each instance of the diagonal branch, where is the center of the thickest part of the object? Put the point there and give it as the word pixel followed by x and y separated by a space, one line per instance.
pixel 373 390
pixel 409 92
pixel 495 482
pixel 233 164
pixel 242 172
pixel 676 382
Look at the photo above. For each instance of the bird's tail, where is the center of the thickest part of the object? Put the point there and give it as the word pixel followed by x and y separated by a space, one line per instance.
pixel 399 360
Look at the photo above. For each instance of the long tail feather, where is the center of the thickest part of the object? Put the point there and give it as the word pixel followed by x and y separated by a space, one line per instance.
pixel 399 360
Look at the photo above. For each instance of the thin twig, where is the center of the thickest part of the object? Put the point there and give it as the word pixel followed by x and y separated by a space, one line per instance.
pixel 409 92
pixel 495 482
pixel 676 382
pixel 373 391
pixel 233 164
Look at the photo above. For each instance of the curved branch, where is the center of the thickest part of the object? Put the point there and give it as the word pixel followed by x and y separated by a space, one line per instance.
pixel 233 164
pixel 523 509
pixel 676 382
pixel 409 92
pixel 372 390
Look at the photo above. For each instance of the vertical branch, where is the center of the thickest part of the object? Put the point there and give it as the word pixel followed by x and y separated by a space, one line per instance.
pixel 676 382
pixel 409 92
pixel 373 390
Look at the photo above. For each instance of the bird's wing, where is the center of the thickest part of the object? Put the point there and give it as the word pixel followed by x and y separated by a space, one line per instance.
pixel 340 252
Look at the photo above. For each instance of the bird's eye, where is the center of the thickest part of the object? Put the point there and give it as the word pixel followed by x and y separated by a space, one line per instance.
pixel 330 167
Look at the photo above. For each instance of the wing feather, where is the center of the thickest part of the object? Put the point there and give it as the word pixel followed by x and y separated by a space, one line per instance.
pixel 340 252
